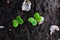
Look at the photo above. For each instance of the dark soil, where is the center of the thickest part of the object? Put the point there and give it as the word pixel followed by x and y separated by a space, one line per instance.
pixel 49 9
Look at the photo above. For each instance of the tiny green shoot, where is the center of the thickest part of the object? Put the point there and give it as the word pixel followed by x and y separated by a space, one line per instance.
pixel 32 21
pixel 19 19
pixel 37 17
pixel 15 23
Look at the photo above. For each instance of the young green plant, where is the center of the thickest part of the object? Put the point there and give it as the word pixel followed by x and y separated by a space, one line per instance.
pixel 38 18
pixel 32 21
pixel 15 23
pixel 19 19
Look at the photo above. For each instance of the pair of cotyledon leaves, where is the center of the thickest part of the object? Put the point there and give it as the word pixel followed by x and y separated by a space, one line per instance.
pixel 33 21
pixel 17 21
pixel 37 18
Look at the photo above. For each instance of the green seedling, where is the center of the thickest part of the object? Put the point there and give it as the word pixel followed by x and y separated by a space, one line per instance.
pixel 15 23
pixel 37 17
pixel 32 21
pixel 19 19
pixel 42 20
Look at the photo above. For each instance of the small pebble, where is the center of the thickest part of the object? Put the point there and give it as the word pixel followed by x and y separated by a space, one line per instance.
pixel 8 1
pixel 26 6
pixel 53 28
pixel 1 27
pixel 58 39
pixel 10 29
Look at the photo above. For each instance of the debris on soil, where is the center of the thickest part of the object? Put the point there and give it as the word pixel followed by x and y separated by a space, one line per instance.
pixel 41 20
pixel 26 5
pixel 53 28
pixel 8 1
pixel 2 27
pixel 49 9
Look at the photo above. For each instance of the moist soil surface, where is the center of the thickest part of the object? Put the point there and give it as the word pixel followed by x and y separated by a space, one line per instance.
pixel 9 9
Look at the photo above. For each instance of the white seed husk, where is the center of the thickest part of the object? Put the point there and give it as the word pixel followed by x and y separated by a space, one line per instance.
pixel 26 6
pixel 41 20
pixel 1 27
pixel 53 28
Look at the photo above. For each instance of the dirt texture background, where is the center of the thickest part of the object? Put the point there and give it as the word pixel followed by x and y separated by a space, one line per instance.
pixel 49 9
